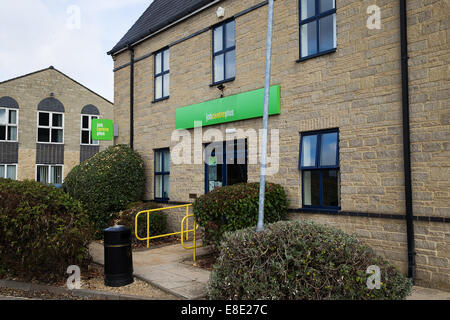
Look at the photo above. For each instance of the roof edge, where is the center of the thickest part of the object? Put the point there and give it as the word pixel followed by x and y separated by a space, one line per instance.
pixel 65 75
pixel 151 33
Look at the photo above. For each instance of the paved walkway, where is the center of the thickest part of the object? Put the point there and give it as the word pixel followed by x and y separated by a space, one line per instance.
pixel 420 293
pixel 166 268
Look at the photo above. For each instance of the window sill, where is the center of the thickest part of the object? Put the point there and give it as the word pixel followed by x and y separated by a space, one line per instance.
pixel 222 82
pixel 316 55
pixel 160 99
pixel 330 210
pixel 57 143
pixel 161 200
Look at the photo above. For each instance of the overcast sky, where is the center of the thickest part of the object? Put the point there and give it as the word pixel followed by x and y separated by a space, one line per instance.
pixel 71 35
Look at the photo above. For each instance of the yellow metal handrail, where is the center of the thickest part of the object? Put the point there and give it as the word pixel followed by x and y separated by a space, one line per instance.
pixel 194 247
pixel 184 224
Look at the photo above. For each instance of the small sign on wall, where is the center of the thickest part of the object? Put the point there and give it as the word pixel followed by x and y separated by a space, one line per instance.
pixel 102 129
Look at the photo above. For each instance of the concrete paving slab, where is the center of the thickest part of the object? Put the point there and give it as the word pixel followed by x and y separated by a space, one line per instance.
pixel 172 285
pixel 187 272
pixel 421 293
pixel 157 275
pixel 17 285
pixel 195 292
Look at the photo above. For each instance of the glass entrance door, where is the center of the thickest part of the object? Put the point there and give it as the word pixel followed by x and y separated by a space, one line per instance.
pixel 214 172
pixel 226 164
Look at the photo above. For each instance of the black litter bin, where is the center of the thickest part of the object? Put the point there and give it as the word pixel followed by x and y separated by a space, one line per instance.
pixel 118 256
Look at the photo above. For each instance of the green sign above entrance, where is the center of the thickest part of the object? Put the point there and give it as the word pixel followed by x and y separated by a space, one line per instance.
pixel 242 106
pixel 102 129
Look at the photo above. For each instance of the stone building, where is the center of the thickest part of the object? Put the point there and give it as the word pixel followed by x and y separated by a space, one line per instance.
pixel 360 99
pixel 45 119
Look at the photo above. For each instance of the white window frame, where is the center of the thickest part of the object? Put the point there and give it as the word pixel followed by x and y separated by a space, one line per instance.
pixel 50 127
pixel 6 169
pixel 7 125
pixel 94 142
pixel 49 172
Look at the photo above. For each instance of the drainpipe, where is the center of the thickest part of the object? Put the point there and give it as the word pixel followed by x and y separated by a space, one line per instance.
pixel 131 97
pixel 406 141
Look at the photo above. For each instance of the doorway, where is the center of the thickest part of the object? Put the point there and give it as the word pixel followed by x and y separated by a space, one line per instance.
pixel 226 164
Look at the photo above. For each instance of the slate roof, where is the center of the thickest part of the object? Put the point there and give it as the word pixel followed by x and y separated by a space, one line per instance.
pixel 158 15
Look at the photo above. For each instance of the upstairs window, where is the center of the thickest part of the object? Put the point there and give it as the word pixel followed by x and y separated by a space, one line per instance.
pixel 86 135
pixel 162 75
pixel 8 124
pixel 317 27
pixel 224 53
pixel 50 127
pixel 319 162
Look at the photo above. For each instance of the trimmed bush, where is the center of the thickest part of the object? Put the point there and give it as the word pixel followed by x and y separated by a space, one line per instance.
pixel 300 260
pixel 107 182
pixel 42 231
pixel 236 207
pixel 158 220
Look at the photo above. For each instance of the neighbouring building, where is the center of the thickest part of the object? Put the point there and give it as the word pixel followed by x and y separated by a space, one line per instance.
pixel 360 96
pixel 45 120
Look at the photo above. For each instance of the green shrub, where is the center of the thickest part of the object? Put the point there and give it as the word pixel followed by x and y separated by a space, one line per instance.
pixel 42 231
pixel 236 207
pixel 107 182
pixel 158 220
pixel 300 260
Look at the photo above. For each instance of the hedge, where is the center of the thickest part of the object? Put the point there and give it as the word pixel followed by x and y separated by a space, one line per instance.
pixel 107 183
pixel 42 231
pixel 236 207
pixel 300 260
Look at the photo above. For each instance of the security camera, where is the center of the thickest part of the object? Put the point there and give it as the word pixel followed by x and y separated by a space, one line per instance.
pixel 220 12
pixel 221 87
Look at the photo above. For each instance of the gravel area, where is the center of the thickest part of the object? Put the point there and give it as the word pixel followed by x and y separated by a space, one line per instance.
pixel 95 281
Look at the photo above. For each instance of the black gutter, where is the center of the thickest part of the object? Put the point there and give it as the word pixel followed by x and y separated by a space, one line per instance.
pixel 131 97
pixel 406 141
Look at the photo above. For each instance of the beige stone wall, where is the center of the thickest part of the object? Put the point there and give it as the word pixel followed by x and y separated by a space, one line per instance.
pixel 429 50
pixel 356 89
pixel 122 105
pixel 71 159
pixel 26 168
pixel 29 91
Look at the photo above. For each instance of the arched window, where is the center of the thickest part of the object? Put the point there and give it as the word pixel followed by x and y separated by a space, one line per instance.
pixel 88 113
pixel 9 119
pixel 50 121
